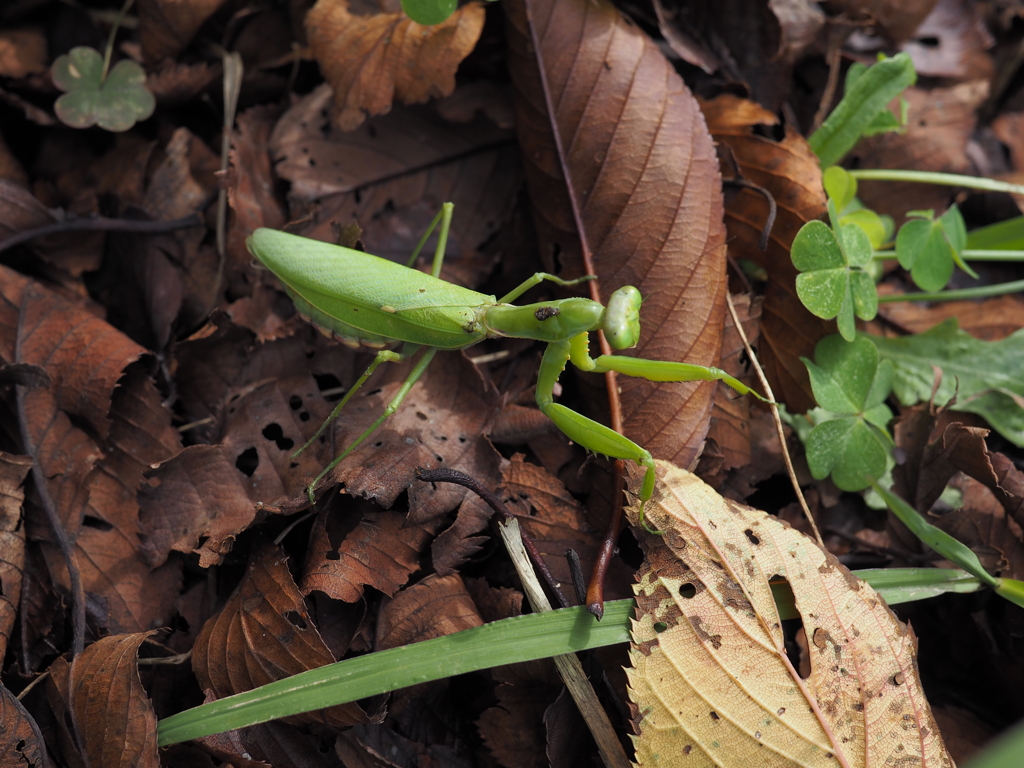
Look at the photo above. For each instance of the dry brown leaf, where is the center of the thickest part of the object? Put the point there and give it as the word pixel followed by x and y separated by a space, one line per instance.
pixel 370 61
pixel 989 319
pixel 24 742
pixel 710 677
pixel 22 52
pixel 442 422
pixel 166 27
pixel 381 552
pixel 898 19
pixel 250 182
pixel 434 607
pixel 107 704
pixel 983 525
pixel 13 470
pixel 392 174
pixel 952 42
pixel 264 633
pixel 632 151
pixel 791 173
pixel 729 433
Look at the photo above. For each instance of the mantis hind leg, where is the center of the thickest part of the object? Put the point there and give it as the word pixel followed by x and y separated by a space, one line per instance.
pixel 444 217
pixel 393 406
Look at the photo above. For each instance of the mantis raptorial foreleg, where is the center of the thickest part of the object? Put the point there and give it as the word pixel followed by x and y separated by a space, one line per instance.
pixel 594 436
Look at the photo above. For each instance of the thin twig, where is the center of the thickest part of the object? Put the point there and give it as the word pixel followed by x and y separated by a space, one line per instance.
pixel 835 57
pixel 446 475
pixel 101 224
pixel 773 209
pixel 778 420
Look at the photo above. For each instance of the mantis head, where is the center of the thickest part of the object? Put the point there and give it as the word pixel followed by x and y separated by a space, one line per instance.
pixel 621 324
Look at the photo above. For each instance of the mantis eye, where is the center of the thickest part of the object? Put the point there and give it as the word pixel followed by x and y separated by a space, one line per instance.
pixel 622 318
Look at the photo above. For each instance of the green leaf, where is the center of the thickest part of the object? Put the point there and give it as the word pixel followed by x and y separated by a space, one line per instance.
pixel 840 186
pixel 849 449
pixel 832 282
pixel 874 226
pixel 1005 236
pixel 936 538
pixel 923 250
pixel 114 104
pixel 846 377
pixel 955 230
pixel 990 374
pixel 850 384
pixel 868 94
pixel 428 12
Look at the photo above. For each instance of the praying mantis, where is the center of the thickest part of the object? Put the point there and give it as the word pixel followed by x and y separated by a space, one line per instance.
pixel 367 301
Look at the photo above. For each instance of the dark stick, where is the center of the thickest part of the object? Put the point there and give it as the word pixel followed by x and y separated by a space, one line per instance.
pixel 101 224
pixel 445 475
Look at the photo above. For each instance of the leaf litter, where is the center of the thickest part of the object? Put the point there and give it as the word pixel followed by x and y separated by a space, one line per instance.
pixel 181 380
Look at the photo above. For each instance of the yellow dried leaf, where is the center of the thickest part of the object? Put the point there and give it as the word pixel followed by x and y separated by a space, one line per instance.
pixel 372 60
pixel 710 682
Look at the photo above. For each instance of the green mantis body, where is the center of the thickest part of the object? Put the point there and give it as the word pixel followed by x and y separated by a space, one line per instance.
pixel 363 300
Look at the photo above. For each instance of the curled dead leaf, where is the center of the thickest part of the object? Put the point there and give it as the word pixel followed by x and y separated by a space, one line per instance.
pixel 102 697
pixel 372 60
pixel 710 677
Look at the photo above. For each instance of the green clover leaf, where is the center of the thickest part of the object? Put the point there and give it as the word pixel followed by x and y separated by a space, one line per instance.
pixel 115 103
pixel 833 282
pixel 427 12
pixel 928 247
pixel 849 441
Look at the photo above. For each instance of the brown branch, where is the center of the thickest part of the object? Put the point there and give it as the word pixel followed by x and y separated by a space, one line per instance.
pixel 101 224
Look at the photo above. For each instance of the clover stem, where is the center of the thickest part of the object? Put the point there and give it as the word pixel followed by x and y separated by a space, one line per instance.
pixel 970 255
pixel 980 292
pixel 110 41
pixel 947 179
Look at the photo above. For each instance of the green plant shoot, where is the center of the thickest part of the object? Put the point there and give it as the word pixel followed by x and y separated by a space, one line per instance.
pixel 363 300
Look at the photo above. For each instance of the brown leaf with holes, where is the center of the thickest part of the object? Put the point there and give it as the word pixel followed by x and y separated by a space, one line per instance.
pixel 371 61
pixel 392 174
pixel 707 620
pixel 13 470
pixel 625 165
pixel 106 705
pixel 441 423
pixel 264 633
pixel 791 174
pixel 434 607
pixel 23 743
pixel 380 552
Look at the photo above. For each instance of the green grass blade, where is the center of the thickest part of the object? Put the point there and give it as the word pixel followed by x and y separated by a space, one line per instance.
pixel 1004 753
pixel 936 538
pixel 521 638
